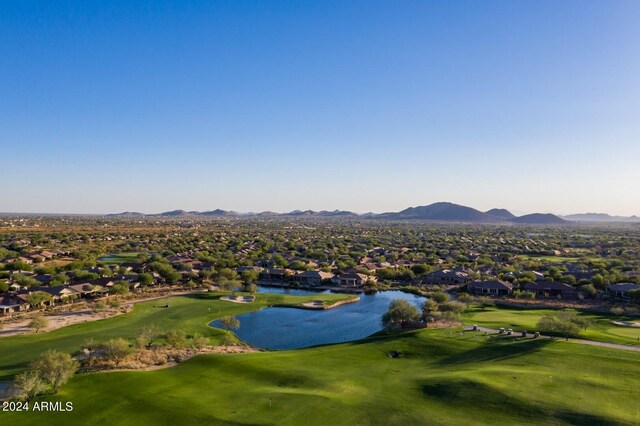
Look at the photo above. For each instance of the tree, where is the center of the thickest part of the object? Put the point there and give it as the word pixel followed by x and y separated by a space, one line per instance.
pixel 456 307
pixel 166 271
pixel 599 281
pixel 38 298
pixel 421 269
pixel 198 341
pixel 116 350
pixel 120 287
pixel 617 310
pixel 226 284
pixel 176 338
pixel 145 279
pixel 27 385
pixel 635 294
pixel 38 322
pixel 400 313
pixel 54 368
pixel 249 276
pixel 250 288
pixel 557 326
pixel 89 344
pixel 147 335
pixel 99 305
pixel 580 321
pixel 523 294
pixel 429 310
pixel 485 302
pixel 298 265
pixel 466 298
pixel 229 323
pixel 19 265
pixel 439 297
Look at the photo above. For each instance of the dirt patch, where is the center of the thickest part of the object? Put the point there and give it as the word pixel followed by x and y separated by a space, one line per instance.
pixel 156 358
pixel 21 326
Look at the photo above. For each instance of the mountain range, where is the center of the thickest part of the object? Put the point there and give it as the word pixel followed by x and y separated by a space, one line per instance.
pixel 600 217
pixel 437 212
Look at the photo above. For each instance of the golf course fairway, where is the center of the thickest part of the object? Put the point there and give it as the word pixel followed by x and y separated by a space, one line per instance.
pixel 443 377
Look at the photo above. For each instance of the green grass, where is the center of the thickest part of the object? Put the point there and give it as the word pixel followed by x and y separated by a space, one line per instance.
pixel 602 329
pixel 550 259
pixel 443 378
pixel 559 259
pixel 189 313
pixel 119 258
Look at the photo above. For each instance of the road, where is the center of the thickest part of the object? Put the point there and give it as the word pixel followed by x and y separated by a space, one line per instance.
pixel 580 341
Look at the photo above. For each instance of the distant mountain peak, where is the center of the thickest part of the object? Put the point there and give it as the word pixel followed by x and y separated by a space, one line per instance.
pixel 539 219
pixel 600 217
pixel 501 213
pixel 443 211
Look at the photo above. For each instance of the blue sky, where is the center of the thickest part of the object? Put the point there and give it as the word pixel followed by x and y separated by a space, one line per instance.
pixel 358 105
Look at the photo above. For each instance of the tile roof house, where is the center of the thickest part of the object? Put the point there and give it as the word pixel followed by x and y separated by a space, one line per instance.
pixel 551 289
pixel 447 276
pixel 351 280
pixel 495 287
pixel 12 303
pixel 89 289
pixel 622 289
pixel 275 274
pixel 312 277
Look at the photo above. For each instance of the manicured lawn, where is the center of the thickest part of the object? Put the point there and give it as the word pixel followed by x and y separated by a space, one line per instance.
pixel 189 313
pixel 558 259
pixel 443 378
pixel 119 258
pixel 602 330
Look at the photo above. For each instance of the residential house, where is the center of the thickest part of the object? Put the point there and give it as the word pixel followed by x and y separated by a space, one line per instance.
pixel 241 269
pixel 494 288
pixel 89 290
pixel 313 278
pixel 622 289
pixel 551 289
pixel 10 303
pixel 351 280
pixel 447 276
pixel 275 274
pixel 58 293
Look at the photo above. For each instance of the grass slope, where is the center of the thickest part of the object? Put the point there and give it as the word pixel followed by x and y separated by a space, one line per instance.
pixel 189 313
pixel 444 378
pixel 602 330
pixel 119 258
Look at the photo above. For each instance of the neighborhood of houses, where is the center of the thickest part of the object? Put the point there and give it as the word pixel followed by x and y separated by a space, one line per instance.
pixel 360 278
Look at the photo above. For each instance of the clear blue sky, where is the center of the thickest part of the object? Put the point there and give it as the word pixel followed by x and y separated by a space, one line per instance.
pixel 360 105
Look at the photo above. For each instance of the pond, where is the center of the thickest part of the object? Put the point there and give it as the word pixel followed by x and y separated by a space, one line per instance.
pixel 290 328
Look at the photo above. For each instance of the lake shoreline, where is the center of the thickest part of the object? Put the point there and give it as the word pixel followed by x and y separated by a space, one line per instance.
pixel 312 307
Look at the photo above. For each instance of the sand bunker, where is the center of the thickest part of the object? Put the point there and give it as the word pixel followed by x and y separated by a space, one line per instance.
pixel 627 323
pixel 238 299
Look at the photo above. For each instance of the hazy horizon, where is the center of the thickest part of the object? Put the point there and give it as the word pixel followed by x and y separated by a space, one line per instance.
pixel 513 211
pixel 369 106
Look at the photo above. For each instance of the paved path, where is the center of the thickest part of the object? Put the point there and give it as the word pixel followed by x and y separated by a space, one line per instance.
pixel 580 341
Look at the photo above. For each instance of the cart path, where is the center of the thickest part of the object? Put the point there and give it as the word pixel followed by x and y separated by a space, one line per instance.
pixel 580 341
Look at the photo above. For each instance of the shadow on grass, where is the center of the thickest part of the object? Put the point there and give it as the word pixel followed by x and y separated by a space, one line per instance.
pixel 495 351
pixel 273 375
pixel 468 393
pixel 6 368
